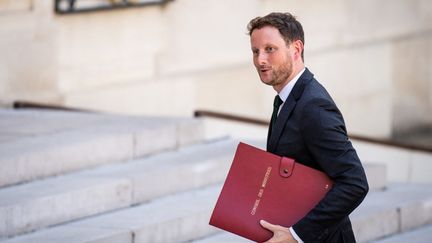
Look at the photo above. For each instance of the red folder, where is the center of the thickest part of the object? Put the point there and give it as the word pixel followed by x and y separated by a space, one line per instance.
pixel 261 185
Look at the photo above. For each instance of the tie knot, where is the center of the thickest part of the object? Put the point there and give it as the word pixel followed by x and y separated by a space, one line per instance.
pixel 277 102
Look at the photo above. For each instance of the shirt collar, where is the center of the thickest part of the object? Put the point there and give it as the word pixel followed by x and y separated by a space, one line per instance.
pixel 284 93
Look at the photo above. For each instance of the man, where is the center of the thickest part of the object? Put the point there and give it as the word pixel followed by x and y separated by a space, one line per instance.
pixel 306 125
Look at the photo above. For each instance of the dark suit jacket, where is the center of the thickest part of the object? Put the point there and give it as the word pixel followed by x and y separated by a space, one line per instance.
pixel 311 129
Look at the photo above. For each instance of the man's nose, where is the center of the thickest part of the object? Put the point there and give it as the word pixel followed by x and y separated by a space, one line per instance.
pixel 262 58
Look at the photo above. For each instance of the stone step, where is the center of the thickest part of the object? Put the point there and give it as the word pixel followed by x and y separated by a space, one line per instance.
pixel 172 172
pixel 40 204
pixel 43 203
pixel 398 209
pixel 175 218
pixel 420 235
pixel 376 174
pixel 37 144
pixel 225 237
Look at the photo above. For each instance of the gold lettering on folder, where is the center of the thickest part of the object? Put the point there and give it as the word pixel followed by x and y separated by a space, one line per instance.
pixel 261 190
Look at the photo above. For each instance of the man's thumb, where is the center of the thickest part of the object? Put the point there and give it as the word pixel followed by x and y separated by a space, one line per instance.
pixel 267 225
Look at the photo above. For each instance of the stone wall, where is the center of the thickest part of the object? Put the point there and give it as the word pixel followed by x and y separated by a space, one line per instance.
pixel 28 47
pixel 374 57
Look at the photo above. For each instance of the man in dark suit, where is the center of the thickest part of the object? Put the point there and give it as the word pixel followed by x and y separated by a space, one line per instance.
pixel 306 125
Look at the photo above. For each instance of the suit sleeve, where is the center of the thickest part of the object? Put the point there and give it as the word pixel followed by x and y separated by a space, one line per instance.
pixel 325 136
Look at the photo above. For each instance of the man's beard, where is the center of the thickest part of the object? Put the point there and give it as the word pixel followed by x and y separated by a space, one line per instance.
pixel 280 75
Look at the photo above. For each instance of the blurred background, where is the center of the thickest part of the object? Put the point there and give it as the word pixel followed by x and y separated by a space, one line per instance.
pixel 139 167
pixel 374 57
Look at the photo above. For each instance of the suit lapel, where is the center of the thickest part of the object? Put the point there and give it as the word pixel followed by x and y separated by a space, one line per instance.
pixel 275 132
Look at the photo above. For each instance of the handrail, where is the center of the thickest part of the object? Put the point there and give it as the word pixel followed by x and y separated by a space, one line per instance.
pixel 26 104
pixel 380 141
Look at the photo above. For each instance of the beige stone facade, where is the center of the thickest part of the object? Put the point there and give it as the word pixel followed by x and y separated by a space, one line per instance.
pixel 374 57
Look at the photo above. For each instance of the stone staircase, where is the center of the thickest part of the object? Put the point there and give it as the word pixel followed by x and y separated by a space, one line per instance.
pixel 82 177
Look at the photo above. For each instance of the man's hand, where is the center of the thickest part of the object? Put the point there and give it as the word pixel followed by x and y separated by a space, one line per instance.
pixel 280 233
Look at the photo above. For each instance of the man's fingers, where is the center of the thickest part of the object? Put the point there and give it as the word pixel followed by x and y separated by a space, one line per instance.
pixel 269 226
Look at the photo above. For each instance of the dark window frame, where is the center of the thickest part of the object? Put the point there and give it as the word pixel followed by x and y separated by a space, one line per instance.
pixel 72 6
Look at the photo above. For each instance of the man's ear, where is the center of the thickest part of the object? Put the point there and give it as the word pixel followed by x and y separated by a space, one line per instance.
pixel 298 46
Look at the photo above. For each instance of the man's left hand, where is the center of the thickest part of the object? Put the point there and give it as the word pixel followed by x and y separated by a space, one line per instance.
pixel 280 233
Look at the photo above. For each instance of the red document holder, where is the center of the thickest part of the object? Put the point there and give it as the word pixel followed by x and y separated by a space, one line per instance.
pixel 261 185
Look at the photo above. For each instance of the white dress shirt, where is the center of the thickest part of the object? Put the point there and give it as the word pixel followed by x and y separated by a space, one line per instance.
pixel 284 93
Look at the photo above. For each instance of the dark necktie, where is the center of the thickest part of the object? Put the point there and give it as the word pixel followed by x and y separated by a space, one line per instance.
pixel 276 104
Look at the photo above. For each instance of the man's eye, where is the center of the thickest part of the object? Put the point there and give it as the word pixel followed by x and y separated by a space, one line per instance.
pixel 255 52
pixel 270 49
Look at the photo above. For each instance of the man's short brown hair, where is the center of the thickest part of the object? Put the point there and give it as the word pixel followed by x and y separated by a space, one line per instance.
pixel 288 26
